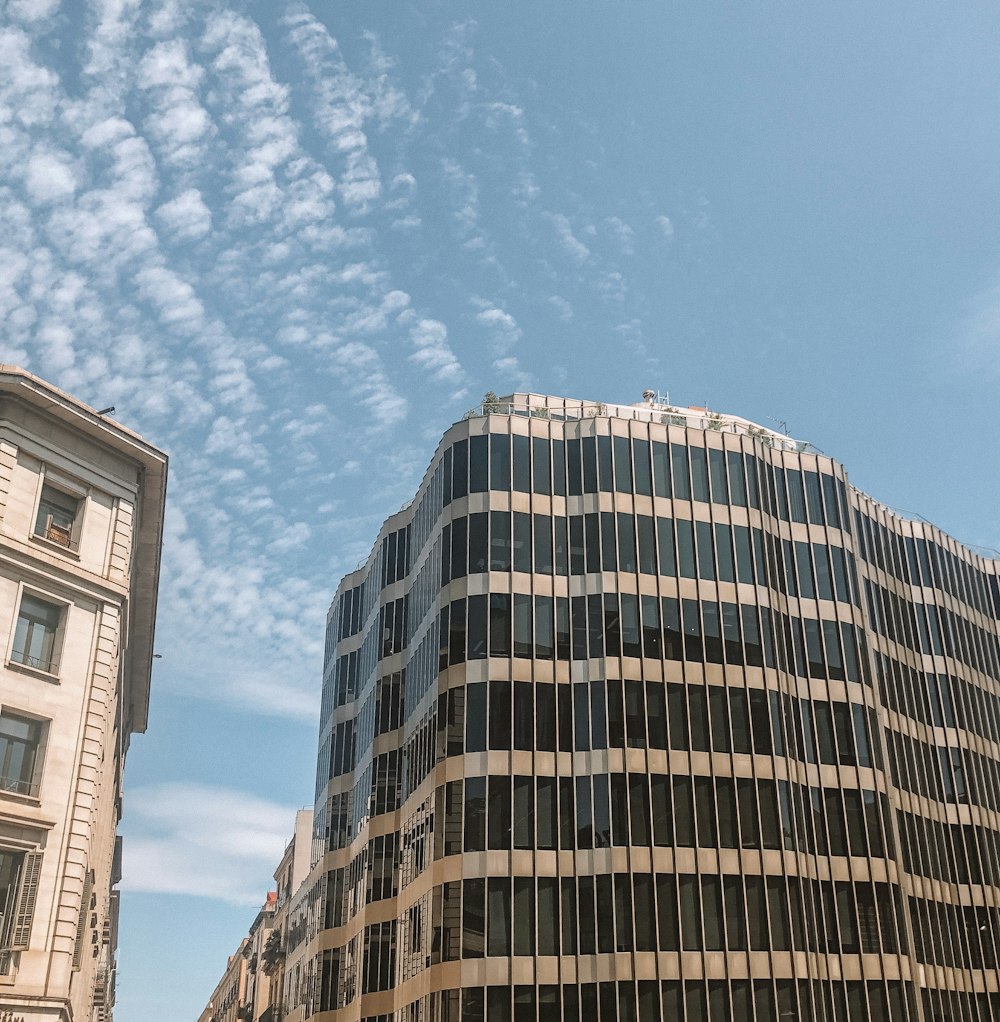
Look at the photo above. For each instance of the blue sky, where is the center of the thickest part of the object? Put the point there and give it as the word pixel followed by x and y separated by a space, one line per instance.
pixel 291 243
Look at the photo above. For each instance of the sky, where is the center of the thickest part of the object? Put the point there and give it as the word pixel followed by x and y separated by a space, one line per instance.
pixel 291 243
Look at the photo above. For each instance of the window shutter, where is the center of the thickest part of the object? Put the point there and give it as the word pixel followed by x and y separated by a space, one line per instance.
pixel 81 923
pixel 25 907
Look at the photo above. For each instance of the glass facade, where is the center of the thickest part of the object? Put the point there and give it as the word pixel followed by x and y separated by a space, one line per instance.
pixel 628 720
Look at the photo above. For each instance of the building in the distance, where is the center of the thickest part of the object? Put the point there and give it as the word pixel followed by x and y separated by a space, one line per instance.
pixel 642 713
pixel 253 984
pixel 81 519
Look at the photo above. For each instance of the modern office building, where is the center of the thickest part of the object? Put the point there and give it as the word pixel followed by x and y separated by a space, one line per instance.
pixel 81 517
pixel 642 713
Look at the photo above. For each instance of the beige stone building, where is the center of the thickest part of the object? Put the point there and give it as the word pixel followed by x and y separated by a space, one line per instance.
pixel 228 1000
pixel 252 987
pixel 81 519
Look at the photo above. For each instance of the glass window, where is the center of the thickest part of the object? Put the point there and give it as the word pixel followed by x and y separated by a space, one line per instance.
pixel 670 608
pixel 460 482
pixel 643 476
pixel 561 546
pixel 20 759
pixel 739 712
pixel 724 543
pixel 523 645
pixel 540 465
pixel 744 558
pixel 479 464
pixel 647 544
pixel 478 543
pixel 665 541
pixel 661 469
pixel 699 473
pixel 679 471
pixel 706 555
pixel 717 472
pixel 685 548
pixel 57 515
pixel 589 452
pixel 543 544
pixel 524 719
pixel 498 834
pixel 522 541
pixel 623 465
pixel 524 915
pixel 546 812
pixel 475 814
pixel 499 922
pixel 545 717
pixel 473 917
pixel 558 468
pixel 626 543
pixel 639 808
pixel 499 461
pixel 737 481
pixel 662 816
pixel 475 718
pixel 500 541
pixel 35 633
pixel 690 896
pixel 521 463
pixel 524 812
pixel 574 480
pixel 666 914
pixel 683 802
pixel 500 713
pixel 548 917
pixel 604 467
pixel 631 644
pixel 544 638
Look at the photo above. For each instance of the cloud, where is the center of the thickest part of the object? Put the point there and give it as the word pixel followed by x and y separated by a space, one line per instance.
pixel 32 11
pixel 204 841
pixel 49 177
pixel 345 104
pixel 621 233
pixel 564 233
pixel 433 353
pixel 501 325
pixel 186 216
pixel 666 226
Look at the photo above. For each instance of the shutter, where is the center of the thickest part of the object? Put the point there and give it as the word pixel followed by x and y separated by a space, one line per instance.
pixel 24 909
pixel 81 923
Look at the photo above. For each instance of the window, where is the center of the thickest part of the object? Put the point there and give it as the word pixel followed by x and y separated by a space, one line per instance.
pixel 20 747
pixel 19 874
pixel 35 633
pixel 57 516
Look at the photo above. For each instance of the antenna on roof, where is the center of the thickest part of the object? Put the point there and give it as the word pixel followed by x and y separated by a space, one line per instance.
pixel 780 423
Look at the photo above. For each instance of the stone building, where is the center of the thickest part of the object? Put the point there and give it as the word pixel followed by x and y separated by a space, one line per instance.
pixel 81 519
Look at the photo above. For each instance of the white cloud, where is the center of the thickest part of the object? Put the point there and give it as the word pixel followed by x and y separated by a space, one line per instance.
pixel 564 233
pixel 205 841
pixel 433 353
pixel 503 328
pixel 49 177
pixel 621 233
pixel 32 10
pixel 186 216
pixel 563 309
pixel 666 226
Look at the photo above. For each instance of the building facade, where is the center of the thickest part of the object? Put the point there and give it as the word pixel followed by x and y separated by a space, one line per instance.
pixel 81 516
pixel 638 712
